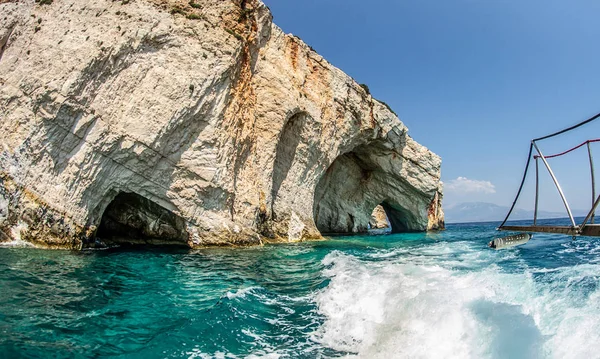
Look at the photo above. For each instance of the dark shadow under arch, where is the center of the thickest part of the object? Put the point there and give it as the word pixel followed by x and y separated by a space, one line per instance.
pixel 286 152
pixel 296 155
pixel 398 217
pixel 133 219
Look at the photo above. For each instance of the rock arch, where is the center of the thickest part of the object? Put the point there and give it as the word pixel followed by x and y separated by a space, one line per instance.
pixel 357 181
pixel 133 219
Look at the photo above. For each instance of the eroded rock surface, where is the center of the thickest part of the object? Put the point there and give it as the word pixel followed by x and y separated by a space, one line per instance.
pixel 210 112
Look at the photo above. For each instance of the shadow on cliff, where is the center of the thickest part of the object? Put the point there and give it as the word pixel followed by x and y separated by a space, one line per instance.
pixel 66 124
pixel 296 154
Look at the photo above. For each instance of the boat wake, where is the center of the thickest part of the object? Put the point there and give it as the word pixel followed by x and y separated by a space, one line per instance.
pixel 435 307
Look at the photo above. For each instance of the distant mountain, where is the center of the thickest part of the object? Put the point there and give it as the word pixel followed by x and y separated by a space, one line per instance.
pixel 489 212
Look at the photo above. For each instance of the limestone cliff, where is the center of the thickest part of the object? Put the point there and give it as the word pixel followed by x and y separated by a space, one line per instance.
pixel 198 123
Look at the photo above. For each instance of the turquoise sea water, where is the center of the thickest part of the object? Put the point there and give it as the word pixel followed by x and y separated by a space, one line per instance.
pixel 443 295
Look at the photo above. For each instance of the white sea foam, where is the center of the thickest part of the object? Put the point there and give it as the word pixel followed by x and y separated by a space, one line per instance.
pixel 17 242
pixel 240 293
pixel 265 356
pixel 421 306
pixel 197 354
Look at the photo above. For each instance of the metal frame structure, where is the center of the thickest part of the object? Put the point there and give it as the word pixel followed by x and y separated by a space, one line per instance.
pixel 583 229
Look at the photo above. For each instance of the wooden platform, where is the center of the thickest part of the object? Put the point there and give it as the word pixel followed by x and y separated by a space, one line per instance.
pixel 590 230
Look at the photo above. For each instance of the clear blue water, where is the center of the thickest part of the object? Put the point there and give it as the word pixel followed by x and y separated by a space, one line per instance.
pixel 443 295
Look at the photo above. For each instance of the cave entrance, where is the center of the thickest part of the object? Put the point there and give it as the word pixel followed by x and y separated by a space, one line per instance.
pixel 356 183
pixel 131 219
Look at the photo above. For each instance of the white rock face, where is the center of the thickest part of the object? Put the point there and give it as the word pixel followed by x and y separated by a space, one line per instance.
pixel 210 112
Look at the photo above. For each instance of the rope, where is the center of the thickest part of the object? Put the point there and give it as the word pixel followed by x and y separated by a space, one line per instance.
pixel 570 150
pixel 568 129
pixel 520 187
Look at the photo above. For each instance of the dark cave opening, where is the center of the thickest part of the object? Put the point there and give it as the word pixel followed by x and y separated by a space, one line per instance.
pixel 131 219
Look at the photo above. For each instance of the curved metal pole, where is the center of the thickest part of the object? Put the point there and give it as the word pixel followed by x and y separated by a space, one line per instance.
pixel 537 190
pixel 562 195
pixel 593 179
pixel 591 212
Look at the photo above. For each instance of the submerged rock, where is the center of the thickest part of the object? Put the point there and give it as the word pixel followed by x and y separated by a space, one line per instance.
pixel 229 130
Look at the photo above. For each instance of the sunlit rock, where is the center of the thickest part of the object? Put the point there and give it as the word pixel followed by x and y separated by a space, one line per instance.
pixel 240 132
pixel 379 219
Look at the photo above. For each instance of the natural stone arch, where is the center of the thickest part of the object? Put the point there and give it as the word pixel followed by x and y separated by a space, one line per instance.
pixel 133 219
pixel 355 183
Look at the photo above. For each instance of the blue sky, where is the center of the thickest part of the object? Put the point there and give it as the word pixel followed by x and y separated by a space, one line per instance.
pixel 474 81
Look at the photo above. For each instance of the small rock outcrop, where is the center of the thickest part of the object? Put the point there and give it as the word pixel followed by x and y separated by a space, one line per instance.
pixel 379 219
pixel 196 123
